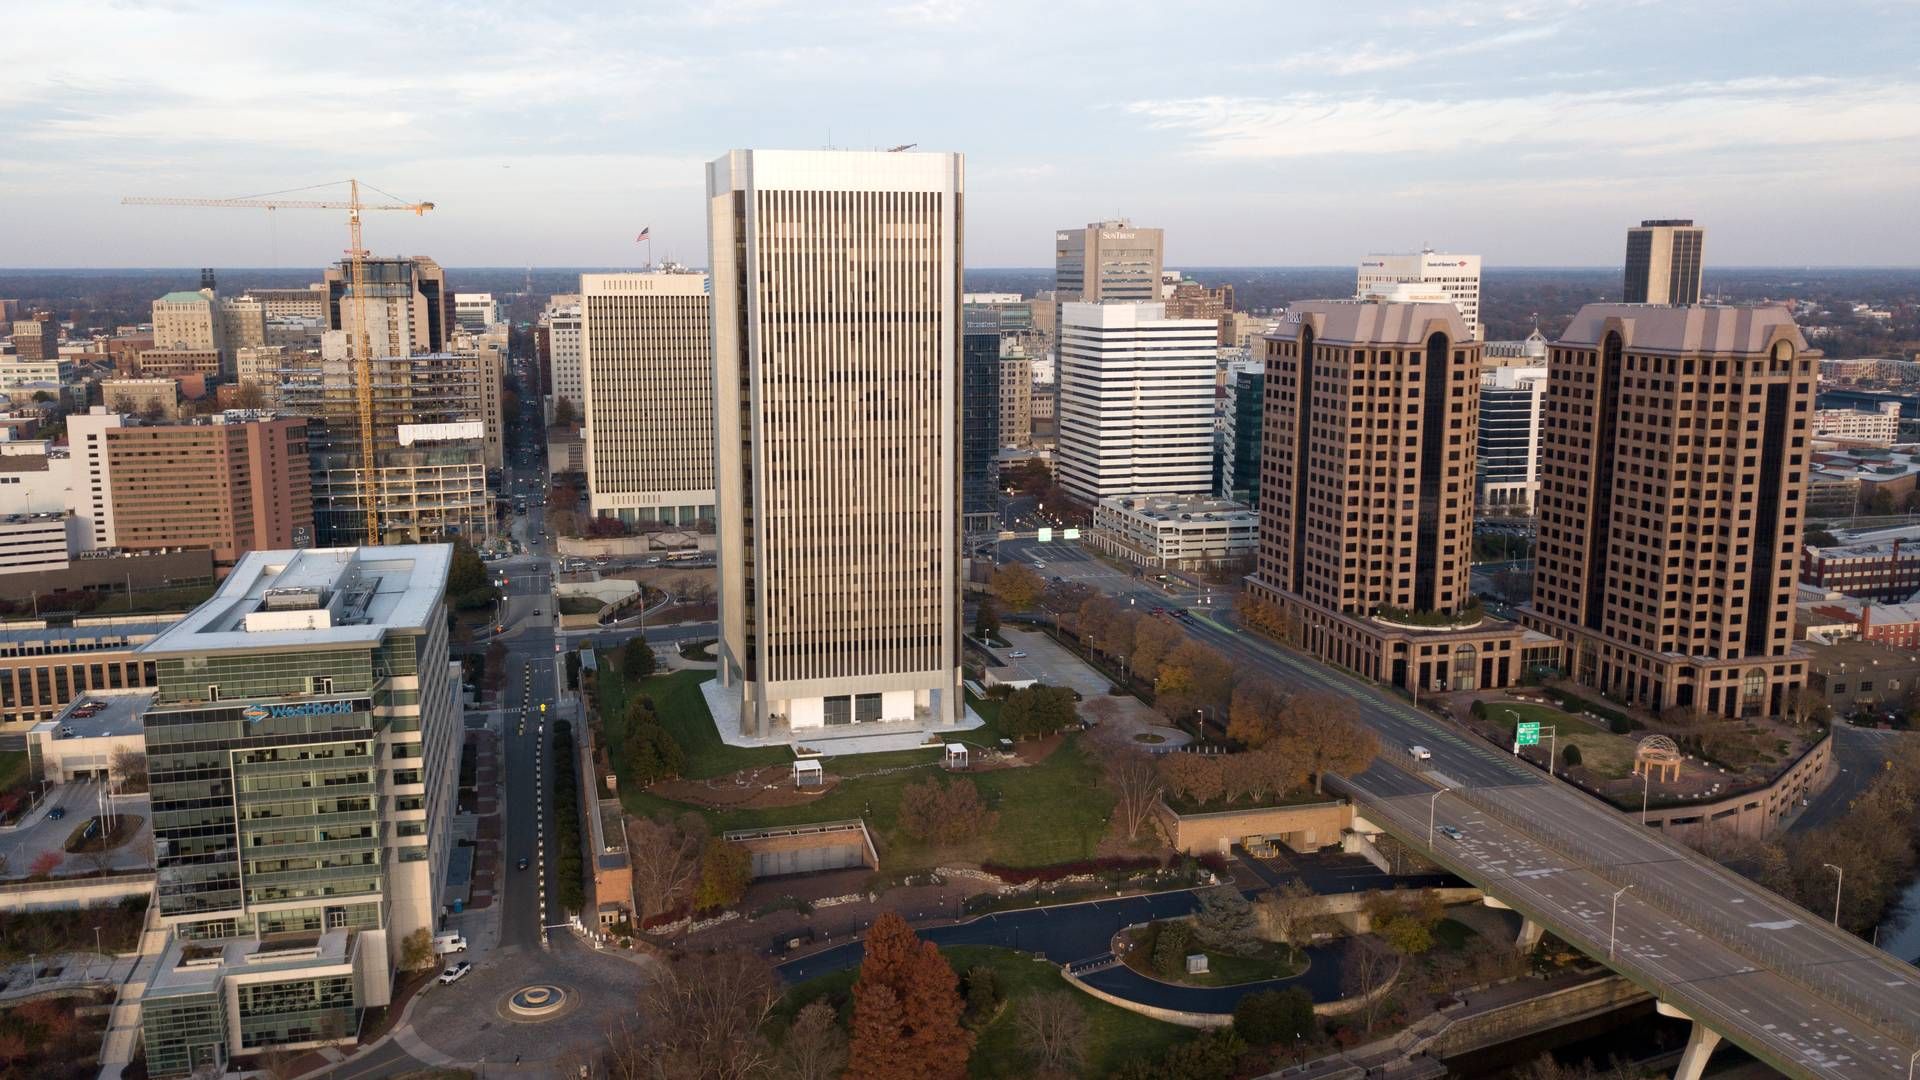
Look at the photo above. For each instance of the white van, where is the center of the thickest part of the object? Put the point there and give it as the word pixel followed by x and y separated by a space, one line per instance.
pixel 1419 753
pixel 450 942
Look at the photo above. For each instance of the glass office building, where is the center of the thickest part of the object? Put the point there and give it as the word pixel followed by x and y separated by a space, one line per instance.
pixel 303 746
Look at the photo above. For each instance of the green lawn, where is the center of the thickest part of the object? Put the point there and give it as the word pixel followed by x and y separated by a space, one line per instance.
pixel 1273 961
pixel 683 712
pixel 580 605
pixel 1602 752
pixel 1054 811
pixel 13 769
pixel 1114 1035
pixel 1508 712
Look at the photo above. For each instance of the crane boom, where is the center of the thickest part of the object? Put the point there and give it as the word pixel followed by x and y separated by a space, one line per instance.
pixel 356 261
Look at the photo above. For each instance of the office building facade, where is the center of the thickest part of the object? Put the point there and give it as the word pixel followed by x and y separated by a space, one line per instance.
pixel 1507 473
pixel 37 337
pixel 1366 504
pixel 980 422
pixel 1664 262
pixel 475 312
pixel 303 746
pixel 646 365
pixel 190 322
pixel 1136 401
pixel 837 443
pixel 237 484
pixel 1458 276
pixel 408 307
pixel 1673 471
pixel 1107 260
pixel 1016 398
pixel 562 319
pixel 1242 423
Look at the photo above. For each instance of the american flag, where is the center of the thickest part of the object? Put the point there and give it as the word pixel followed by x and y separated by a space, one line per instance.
pixel 645 233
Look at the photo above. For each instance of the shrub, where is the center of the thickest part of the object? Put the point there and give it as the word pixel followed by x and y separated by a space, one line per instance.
pixel 1272 1016
pixel 1036 711
pixel 636 660
pixel 1571 755
pixel 1170 948
pixel 982 993
pixel 1479 710
pixel 653 754
pixel 944 813
pixel 1110 865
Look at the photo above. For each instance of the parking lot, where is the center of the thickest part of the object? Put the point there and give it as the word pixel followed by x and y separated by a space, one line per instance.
pixel 1052 664
pixel 24 845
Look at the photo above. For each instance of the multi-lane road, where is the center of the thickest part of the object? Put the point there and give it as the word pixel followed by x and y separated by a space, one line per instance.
pixel 1795 992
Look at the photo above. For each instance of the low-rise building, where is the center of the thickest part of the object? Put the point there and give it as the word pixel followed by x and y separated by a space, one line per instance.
pixel 1854 675
pixel 157 396
pixel 1886 569
pixel 36 543
pixel 1880 427
pixel 82 742
pixel 1173 533
pixel 1897 625
pixel 44 668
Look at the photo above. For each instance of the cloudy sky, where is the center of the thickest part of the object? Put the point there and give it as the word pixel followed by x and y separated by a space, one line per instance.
pixel 1276 133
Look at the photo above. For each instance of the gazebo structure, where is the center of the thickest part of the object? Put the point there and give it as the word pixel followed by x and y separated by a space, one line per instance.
pixel 1657 752
pixel 807 772
pixel 955 757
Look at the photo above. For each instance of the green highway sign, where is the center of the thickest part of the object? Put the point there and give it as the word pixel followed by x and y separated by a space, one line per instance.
pixel 1527 733
pixel 1072 534
pixel 1046 535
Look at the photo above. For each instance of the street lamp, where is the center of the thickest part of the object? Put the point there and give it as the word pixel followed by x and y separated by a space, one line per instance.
pixel 1431 804
pixel 1840 877
pixel 1646 779
pixel 1613 920
pixel 1910 1062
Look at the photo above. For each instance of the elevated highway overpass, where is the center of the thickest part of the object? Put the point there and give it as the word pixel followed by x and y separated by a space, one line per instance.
pixel 1738 960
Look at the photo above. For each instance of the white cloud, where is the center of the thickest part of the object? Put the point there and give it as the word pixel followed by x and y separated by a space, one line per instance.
pixel 1732 116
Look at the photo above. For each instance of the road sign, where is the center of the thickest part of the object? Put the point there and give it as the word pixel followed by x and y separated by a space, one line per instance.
pixel 1046 535
pixel 1526 733
pixel 1071 534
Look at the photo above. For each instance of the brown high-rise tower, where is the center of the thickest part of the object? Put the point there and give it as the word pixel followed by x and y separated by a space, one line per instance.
pixel 1673 471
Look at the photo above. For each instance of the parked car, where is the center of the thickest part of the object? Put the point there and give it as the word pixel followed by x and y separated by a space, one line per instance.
pixel 523 862
pixel 56 813
pixel 450 942
pixel 455 973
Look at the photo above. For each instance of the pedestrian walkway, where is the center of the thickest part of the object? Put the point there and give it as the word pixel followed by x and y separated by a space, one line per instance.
pixel 123 1024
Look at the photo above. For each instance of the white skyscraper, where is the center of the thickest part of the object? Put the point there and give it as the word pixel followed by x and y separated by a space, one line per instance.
pixel 646 362
pixel 1456 275
pixel 836 339
pixel 1136 401
pixel 562 316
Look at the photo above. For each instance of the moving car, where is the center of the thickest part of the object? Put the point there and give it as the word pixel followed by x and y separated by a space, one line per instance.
pixel 56 813
pixel 523 862
pixel 1450 832
pixel 455 973
pixel 1419 753
pixel 1018 654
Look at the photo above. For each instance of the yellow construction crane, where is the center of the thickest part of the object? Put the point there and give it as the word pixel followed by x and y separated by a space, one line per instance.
pixel 357 283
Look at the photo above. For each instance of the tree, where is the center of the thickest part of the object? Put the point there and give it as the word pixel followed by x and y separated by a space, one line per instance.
pixel 129 767
pixel 1029 476
pixel 249 395
pixel 1195 675
pixel 815 1048
pixel 44 864
pixel 1322 732
pixel 652 753
pixel 1291 912
pixel 1255 710
pixel 1193 776
pixel 1053 1029
pixel 986 620
pixel 1037 711
pixel 1571 755
pixel 703 1019
pixel 1365 972
pixel 725 869
pixel 1225 922
pixel 906 1010
pixel 1880 502
pixel 152 411
pixel 1095 619
pixel 636 660
pixel 1244 774
pixel 950 812
pixel 563 412
pixel 1804 705
pixel 1017 586
pixel 981 989
pixel 1273 1016
pixel 666 860
pixel 416 950
pixel 1171 945
pixel 13 1047
pixel 1284 771
pixel 1153 641
pixel 1132 778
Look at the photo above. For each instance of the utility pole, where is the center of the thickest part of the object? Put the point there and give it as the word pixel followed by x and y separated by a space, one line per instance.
pixel 1840 877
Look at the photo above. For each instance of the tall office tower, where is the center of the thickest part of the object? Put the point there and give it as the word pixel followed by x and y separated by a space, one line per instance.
pixel 1016 397
pixel 1456 275
pixel 1107 260
pixel 474 312
pixel 92 476
pixel 1136 401
pixel 409 309
pixel 489 349
pixel 1507 469
pixel 980 424
pixel 836 330
pixel 563 321
pixel 243 321
pixel 190 322
pixel 1366 504
pixel 303 746
pixel 1663 262
pixel 1673 476
pixel 236 484
pixel 37 337
pixel 646 363
pixel 1244 413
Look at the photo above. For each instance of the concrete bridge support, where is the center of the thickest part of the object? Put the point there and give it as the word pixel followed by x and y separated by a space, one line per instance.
pixel 1530 931
pixel 1701 1042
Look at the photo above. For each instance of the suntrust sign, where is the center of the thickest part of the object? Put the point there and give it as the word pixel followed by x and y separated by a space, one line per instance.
pixel 1117 235
pixel 253 714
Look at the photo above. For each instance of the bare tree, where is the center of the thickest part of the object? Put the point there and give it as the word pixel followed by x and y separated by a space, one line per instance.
pixel 1053 1029
pixel 1134 781
pixel 1367 970
pixel 702 1021
pixel 129 769
pixel 1291 912
pixel 666 860
pixel 815 1048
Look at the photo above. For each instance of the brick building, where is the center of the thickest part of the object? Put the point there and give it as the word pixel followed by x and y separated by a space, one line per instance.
pixel 234 486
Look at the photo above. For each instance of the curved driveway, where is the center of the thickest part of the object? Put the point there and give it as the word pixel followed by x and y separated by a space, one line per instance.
pixel 1076 932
